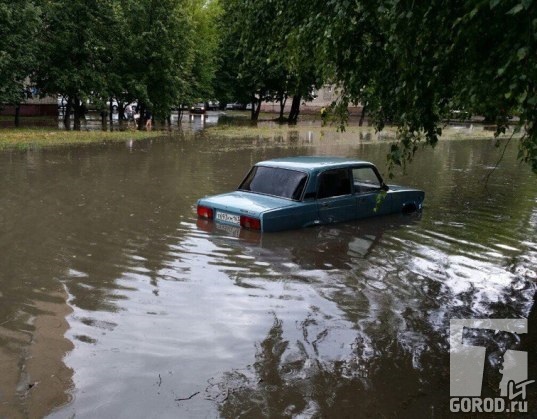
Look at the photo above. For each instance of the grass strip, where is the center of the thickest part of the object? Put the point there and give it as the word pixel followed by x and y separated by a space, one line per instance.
pixel 34 138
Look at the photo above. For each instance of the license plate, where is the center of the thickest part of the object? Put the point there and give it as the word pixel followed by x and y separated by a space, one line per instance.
pixel 228 218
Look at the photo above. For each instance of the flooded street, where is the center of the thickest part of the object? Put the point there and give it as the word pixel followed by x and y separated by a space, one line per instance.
pixel 115 301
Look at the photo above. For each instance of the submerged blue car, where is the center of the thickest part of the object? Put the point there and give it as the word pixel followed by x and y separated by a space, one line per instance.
pixel 297 192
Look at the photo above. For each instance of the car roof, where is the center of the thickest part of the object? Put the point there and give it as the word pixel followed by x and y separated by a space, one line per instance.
pixel 310 163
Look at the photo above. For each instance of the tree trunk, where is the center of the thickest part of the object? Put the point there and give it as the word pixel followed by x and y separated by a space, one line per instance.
pixel 121 112
pixel 103 121
pixel 77 113
pixel 295 109
pixel 362 116
pixel 141 120
pixel 67 114
pixel 17 115
pixel 283 101
pixel 256 107
pixel 111 110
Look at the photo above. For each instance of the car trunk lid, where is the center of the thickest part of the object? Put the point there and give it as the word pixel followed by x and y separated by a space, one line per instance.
pixel 245 203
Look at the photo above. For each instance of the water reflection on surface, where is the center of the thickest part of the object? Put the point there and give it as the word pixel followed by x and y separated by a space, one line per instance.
pixel 174 317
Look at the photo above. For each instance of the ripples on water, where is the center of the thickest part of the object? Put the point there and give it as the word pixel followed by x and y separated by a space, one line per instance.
pixel 350 319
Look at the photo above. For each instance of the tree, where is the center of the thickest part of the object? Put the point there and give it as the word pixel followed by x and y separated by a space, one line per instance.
pixel 159 48
pixel 19 26
pixel 205 43
pixel 73 52
pixel 227 87
pixel 498 65
pixel 413 62
pixel 158 53
pixel 303 72
pixel 260 61
pixel 242 74
pixel 166 58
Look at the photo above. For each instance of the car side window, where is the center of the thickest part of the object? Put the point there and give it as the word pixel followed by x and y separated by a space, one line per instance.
pixel 365 180
pixel 334 183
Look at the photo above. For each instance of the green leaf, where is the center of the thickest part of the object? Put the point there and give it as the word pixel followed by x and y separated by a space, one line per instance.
pixel 494 3
pixel 522 53
pixel 517 9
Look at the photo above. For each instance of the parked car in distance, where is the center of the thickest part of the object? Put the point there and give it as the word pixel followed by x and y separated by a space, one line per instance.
pixel 213 105
pixel 235 106
pixel 297 192
pixel 198 108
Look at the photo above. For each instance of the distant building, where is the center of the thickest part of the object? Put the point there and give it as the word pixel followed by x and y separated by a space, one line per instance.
pixel 323 98
pixel 33 106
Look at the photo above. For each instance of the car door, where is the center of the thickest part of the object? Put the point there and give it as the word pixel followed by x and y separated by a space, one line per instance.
pixel 335 198
pixel 371 198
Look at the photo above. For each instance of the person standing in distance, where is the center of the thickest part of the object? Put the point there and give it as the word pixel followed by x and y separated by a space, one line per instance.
pixel 148 122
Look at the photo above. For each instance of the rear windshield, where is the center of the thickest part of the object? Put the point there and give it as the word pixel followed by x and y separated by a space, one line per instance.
pixel 275 181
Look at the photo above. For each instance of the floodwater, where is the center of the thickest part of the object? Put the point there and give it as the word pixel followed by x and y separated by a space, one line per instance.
pixel 116 302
